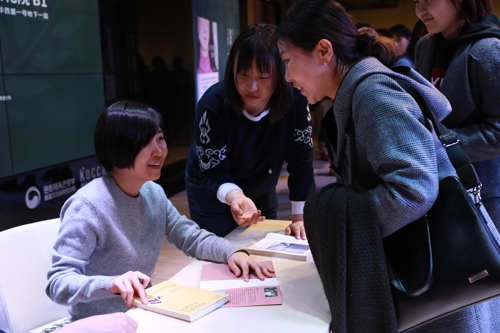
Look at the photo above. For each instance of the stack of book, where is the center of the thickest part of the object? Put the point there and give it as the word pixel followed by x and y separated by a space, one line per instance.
pixel 181 301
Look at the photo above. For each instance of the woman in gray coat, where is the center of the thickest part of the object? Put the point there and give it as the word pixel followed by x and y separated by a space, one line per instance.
pixel 461 57
pixel 395 156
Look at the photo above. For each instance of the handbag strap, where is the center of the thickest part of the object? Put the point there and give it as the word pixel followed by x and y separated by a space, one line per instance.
pixel 461 162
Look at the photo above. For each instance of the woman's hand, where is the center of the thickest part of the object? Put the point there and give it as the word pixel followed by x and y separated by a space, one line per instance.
pixel 240 264
pixel 297 227
pixel 243 209
pixel 128 284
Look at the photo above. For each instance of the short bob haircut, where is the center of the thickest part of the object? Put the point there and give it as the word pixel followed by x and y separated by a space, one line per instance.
pixel 472 11
pixel 256 43
pixel 122 130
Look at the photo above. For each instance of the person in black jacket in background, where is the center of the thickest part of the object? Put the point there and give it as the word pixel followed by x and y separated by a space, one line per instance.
pixel 246 128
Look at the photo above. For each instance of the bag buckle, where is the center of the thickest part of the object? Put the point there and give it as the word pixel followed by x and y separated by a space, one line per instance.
pixel 476 192
pixel 449 139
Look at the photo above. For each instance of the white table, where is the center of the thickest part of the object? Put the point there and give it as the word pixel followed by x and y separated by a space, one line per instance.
pixel 304 308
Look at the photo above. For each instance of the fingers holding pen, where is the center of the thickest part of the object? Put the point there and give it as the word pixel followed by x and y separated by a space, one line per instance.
pixel 130 284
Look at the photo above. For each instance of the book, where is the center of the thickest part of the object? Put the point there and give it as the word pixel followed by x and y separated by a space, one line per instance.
pixel 51 327
pixel 218 277
pixel 181 301
pixel 282 246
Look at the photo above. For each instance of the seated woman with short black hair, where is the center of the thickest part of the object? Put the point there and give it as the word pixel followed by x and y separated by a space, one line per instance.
pixel 113 228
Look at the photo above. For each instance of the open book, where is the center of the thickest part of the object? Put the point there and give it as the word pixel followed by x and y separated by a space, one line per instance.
pixel 181 301
pixel 254 292
pixel 283 246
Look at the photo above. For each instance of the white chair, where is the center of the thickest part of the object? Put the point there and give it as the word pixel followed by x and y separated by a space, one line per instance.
pixel 25 258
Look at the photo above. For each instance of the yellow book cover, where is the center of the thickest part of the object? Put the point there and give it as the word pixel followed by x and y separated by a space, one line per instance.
pixel 181 301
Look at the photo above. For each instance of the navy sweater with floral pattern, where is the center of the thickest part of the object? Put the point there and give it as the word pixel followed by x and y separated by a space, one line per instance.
pixel 231 148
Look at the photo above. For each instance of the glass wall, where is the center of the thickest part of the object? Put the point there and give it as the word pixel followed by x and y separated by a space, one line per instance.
pixel 51 89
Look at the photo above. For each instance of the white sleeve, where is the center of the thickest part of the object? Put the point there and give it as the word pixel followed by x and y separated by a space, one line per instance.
pixel 298 207
pixel 224 189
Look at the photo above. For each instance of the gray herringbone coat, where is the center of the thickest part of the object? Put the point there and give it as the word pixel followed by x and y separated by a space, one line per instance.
pixel 397 157
pixel 400 160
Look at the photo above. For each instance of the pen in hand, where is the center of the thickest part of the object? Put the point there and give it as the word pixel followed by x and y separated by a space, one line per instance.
pixel 130 285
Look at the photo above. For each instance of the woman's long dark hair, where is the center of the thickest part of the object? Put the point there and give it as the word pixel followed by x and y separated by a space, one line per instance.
pixel 309 21
pixel 472 11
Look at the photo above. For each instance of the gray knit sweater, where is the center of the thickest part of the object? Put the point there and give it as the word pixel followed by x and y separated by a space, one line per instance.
pixel 104 233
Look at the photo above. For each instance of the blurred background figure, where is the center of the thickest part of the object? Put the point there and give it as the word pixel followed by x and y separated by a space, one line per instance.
pixel 401 37
pixel 183 91
pixel 383 32
pixel 160 89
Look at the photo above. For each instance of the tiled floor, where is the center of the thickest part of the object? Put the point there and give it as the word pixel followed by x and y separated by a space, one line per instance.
pixel 172 260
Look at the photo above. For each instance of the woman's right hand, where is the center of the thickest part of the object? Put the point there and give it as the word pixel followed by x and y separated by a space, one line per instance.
pixel 243 209
pixel 129 284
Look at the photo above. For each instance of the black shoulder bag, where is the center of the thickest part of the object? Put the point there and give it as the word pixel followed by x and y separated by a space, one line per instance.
pixel 449 259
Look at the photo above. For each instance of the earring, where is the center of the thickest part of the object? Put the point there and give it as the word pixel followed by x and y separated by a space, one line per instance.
pixel 325 63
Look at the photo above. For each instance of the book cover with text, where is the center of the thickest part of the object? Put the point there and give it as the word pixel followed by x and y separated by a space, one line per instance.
pixel 252 293
pixel 181 301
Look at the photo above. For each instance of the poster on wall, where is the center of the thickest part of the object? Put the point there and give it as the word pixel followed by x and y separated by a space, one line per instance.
pixel 207 72
pixel 216 24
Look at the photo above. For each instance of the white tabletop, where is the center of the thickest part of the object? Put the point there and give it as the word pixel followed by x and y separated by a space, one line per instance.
pixel 304 308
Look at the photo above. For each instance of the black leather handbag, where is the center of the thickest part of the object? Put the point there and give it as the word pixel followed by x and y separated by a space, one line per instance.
pixel 449 259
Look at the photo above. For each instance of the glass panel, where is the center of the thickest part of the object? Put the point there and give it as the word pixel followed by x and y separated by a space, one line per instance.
pixel 52 118
pixel 50 37
pixel 5 156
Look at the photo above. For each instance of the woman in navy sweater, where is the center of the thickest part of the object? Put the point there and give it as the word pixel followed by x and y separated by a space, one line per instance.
pixel 246 128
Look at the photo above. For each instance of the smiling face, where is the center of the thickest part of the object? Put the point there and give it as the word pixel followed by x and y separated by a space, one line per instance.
pixel 147 166
pixel 439 16
pixel 149 161
pixel 306 71
pixel 255 89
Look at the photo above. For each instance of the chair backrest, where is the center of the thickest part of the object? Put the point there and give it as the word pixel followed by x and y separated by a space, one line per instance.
pixel 25 258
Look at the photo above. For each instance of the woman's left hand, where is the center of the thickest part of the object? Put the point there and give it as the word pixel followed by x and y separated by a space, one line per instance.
pixel 241 263
pixel 296 228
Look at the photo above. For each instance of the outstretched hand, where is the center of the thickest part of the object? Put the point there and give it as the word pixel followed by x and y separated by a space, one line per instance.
pixel 243 209
pixel 129 284
pixel 241 263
